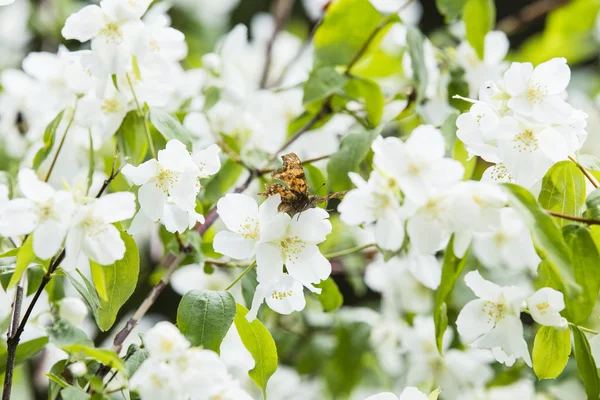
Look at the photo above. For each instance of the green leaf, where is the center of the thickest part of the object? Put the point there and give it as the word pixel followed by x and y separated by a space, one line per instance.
pixel 450 8
pixel 135 357
pixel 347 26
pixel 24 257
pixel 322 82
pixel 585 260
pixel 551 350
pixel 330 297
pixel 63 333
pixel 220 183
pixel 354 148
pixel 451 270
pixel 586 364
pixel 249 284
pixel 460 153
pixel 10 253
pixel 479 17
pixel 120 280
pixel 49 137
pixel 25 351
pixel 74 393
pixel 260 344
pixel 315 178
pixel 367 92
pixel 131 138
pixel 56 385
pixel 563 190
pixel 99 280
pixel 415 41
pixel 205 316
pixel 169 126
pixel 546 234
pixel 106 357
pixel 592 204
pixel 88 292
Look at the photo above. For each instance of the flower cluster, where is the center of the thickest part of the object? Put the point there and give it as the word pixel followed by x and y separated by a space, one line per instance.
pixel 174 370
pixel 276 239
pixel 522 123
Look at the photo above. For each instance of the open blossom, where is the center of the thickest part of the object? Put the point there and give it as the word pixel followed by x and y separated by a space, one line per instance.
pixel 493 320
pixel 170 184
pixel 43 212
pixel 164 341
pixel 545 306
pixel 409 393
pixel 92 235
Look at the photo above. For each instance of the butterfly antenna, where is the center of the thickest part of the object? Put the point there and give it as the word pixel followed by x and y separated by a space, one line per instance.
pixel 318 190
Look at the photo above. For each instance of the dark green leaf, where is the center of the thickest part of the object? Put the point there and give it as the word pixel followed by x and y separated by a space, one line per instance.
pixel 450 8
pixel 63 333
pixel 249 284
pixel 551 350
pixel 563 190
pixel 49 137
pixel 25 351
pixel 258 341
pixel 451 270
pixel 586 364
pixel 135 357
pixel 205 316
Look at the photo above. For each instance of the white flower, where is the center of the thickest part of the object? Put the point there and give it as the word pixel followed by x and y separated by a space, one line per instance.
pixel 103 112
pixel 157 380
pixel 417 164
pixel 545 306
pixel 164 341
pixel 3 198
pixel 93 236
pixel 477 130
pixel 537 92
pixel 492 321
pixel 245 221
pixel 112 27
pixel 78 369
pixel 507 244
pixel 203 374
pixel 44 212
pixel 6 2
pixel 283 294
pixel 409 393
pixel 73 309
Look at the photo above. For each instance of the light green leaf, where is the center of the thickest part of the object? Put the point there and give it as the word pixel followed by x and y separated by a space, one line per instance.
pixel 49 137
pixel 416 42
pixel 563 190
pixel 367 92
pixel 330 297
pixel 135 357
pixel 220 183
pixel 451 270
pixel 74 393
pixel 585 260
pixel 169 126
pixel 25 351
pixel 551 350
pixel 106 357
pixel 592 204
pixel 316 180
pixel 99 280
pixel 24 257
pixel 205 316
pixel 260 344
pixel 63 333
pixel 120 280
pixel 586 364
pixel 450 8
pixel 347 26
pixel 88 292
pixel 131 138
pixel 434 395
pixel 322 82
pixel 10 253
pixel 546 234
pixel 353 150
pixel 460 153
pixel 479 17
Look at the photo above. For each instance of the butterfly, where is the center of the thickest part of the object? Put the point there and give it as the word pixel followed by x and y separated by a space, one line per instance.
pixel 294 194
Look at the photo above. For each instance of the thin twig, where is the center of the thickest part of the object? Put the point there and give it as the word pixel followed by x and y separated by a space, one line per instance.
pixel 240 276
pixel 573 218
pixel 142 114
pixel 283 9
pixel 343 253
pixel 12 339
pixel 61 144
pixel 587 173
pixel 528 14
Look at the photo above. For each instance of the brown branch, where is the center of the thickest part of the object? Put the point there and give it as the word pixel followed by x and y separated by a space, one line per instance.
pixel 12 339
pixel 528 14
pixel 587 173
pixel 283 9
pixel 573 218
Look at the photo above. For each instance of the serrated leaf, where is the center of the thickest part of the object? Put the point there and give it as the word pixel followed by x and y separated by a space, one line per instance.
pixel 354 148
pixel 205 316
pixel 259 342
pixel 551 350
pixel 479 17
pixel 546 235
pixel 586 364
pixel 563 190
pixel 120 280
pixel 452 267
pixel 24 257
pixel 170 127
pixel 49 137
